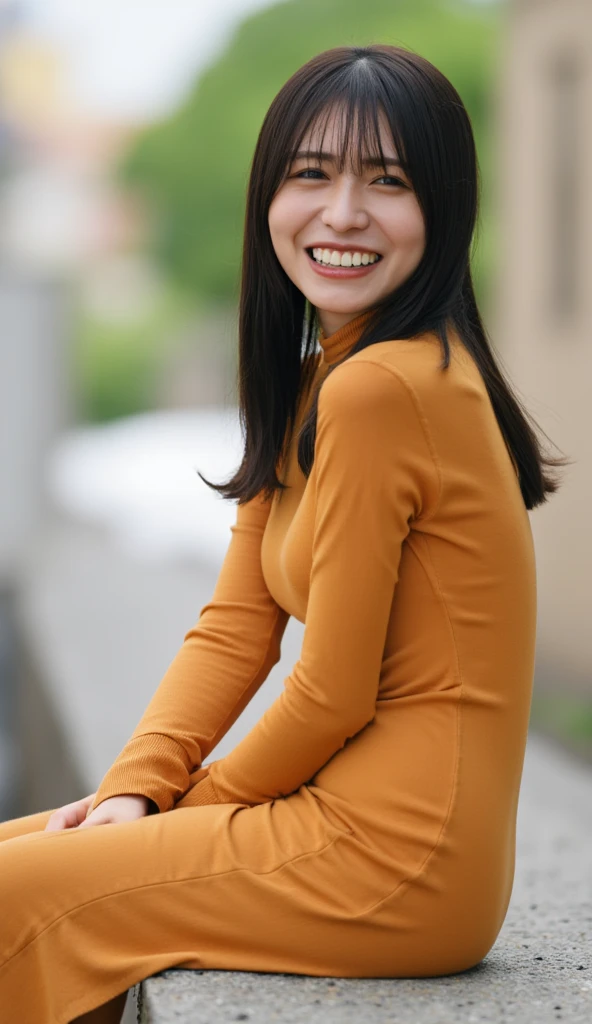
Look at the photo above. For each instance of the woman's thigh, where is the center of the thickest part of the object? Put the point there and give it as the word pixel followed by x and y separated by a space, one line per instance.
pixel 87 913
pixel 15 827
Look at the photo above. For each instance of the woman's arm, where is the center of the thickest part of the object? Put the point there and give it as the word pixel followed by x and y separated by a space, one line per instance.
pixel 222 663
pixel 375 472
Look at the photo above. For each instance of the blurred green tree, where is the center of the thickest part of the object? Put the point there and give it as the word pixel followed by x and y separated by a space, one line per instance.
pixel 193 168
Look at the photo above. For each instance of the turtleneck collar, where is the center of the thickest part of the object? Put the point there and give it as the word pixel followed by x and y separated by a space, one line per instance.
pixel 339 343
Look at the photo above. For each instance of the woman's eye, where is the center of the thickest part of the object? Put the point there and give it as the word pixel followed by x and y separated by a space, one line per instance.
pixel 308 170
pixel 389 178
pixel 309 173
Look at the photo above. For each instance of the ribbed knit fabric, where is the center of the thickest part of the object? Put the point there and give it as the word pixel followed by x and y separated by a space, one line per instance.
pixel 337 344
pixel 204 793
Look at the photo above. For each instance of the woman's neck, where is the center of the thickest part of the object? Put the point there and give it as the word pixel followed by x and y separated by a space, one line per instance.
pixel 340 341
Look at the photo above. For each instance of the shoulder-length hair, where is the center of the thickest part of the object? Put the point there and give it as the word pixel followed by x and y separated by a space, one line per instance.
pixel 434 140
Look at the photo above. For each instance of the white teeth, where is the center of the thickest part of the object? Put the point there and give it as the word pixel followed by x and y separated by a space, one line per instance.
pixel 334 258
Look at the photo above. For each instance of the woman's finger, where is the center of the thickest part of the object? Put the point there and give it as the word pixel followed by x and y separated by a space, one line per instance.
pixel 70 815
pixel 96 818
pixel 60 819
pixel 55 822
pixel 89 822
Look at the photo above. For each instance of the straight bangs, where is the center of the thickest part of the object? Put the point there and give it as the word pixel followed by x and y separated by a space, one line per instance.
pixel 357 101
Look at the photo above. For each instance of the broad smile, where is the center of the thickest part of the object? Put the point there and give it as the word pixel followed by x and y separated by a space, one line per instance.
pixel 347 264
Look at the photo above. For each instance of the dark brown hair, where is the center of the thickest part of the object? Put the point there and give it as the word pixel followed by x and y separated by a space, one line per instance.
pixel 434 140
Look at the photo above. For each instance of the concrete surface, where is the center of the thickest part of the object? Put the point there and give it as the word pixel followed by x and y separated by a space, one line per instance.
pixel 538 972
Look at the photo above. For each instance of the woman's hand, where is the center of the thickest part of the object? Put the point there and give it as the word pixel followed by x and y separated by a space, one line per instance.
pixel 69 816
pixel 116 809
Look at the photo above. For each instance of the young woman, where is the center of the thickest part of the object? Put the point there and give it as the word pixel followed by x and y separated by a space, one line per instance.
pixel 366 825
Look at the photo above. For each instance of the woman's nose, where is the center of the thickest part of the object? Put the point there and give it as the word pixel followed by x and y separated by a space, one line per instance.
pixel 344 208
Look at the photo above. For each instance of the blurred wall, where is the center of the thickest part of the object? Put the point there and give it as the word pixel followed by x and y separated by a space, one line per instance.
pixel 34 404
pixel 34 408
pixel 544 304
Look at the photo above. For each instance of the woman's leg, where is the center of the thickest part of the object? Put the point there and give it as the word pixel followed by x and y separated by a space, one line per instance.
pixel 108 1013
pixel 89 913
pixel 15 827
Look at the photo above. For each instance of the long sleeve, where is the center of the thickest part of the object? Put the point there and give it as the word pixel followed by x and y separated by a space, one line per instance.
pixel 375 472
pixel 223 661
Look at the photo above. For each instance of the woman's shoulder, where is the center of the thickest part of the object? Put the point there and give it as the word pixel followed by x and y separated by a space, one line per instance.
pixel 363 391
pixel 401 387
pixel 416 364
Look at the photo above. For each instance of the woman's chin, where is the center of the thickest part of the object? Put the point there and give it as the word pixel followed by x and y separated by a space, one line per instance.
pixel 342 305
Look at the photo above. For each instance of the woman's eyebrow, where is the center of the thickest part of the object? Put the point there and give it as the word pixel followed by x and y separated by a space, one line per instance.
pixel 371 161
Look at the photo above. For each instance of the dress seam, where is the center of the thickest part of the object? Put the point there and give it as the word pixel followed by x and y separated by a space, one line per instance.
pixel 410 880
pixel 436 589
pixel 174 881
pixel 455 781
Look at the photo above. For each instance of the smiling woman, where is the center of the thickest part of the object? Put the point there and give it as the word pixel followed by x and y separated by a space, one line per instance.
pixel 365 827
pixel 332 225
pixel 367 156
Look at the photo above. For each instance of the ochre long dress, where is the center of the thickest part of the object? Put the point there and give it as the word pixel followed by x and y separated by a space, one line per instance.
pixel 366 825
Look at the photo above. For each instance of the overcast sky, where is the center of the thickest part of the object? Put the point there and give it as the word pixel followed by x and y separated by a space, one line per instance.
pixel 136 58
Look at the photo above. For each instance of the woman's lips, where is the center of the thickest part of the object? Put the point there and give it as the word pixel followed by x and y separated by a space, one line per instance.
pixel 329 271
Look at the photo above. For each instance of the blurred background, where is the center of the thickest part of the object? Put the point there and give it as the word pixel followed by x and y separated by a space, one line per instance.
pixel 126 132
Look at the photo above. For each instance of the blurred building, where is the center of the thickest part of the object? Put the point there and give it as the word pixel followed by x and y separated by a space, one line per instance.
pixel 58 214
pixel 72 239
pixel 543 323
pixel 61 211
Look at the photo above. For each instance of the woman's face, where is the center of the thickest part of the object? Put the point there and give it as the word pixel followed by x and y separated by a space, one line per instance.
pixel 345 240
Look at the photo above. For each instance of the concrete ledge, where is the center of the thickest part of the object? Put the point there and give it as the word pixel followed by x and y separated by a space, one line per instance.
pixel 540 968
pixel 489 992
